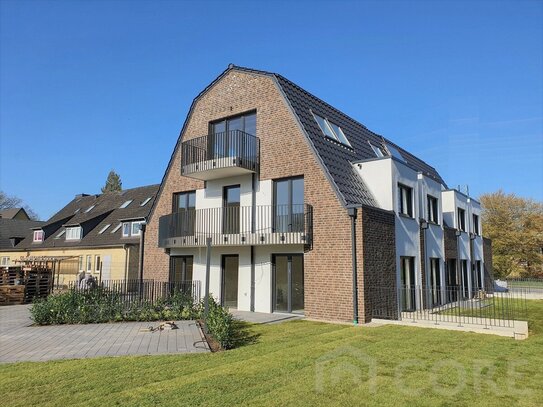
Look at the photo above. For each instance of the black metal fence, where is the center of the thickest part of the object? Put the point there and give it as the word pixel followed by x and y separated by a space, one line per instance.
pixel 527 285
pixel 450 304
pixel 137 291
pixel 261 224
pixel 220 150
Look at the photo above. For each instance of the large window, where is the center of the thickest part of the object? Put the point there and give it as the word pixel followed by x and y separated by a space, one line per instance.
pixel 89 263
pixel 4 261
pixel 73 233
pixel 227 136
pixel 408 283
pixel 461 219
pixel 331 130
pixel 432 209
pixel 405 200
pixel 132 228
pixel 289 205
pixel 97 263
pixel 81 263
pixel 476 224
pixel 231 209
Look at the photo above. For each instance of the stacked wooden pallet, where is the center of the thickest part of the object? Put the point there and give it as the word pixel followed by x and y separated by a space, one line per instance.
pixel 12 294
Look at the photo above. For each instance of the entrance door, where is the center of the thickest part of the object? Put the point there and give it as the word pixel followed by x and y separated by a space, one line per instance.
pixel 407 281
pixel 288 283
pixel 230 273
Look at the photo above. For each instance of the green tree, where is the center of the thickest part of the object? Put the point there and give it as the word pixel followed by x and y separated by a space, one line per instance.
pixel 515 225
pixel 113 183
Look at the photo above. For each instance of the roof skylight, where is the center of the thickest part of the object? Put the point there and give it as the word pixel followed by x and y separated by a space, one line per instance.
pixel 60 234
pixel 145 202
pixel 117 228
pixel 395 152
pixel 90 209
pixel 124 205
pixel 104 229
pixel 377 150
pixel 331 130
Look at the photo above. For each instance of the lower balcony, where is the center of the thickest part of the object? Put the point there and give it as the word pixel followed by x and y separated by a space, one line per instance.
pixel 237 226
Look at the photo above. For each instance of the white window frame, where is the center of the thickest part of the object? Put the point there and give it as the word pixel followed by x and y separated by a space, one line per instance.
pixel 81 263
pixel 38 236
pixel 97 261
pixel 89 263
pixel 137 232
pixel 127 227
pixel 432 199
pixel 4 261
pixel 74 233
pixel 377 150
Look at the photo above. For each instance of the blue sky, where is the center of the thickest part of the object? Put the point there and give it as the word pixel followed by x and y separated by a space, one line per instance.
pixel 90 86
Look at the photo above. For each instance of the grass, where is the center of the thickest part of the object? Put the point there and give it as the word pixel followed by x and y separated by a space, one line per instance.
pixel 525 283
pixel 304 363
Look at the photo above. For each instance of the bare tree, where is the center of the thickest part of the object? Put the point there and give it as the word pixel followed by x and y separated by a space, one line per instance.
pixel 7 202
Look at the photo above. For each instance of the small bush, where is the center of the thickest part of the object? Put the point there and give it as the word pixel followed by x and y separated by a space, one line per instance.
pixel 220 324
pixel 104 305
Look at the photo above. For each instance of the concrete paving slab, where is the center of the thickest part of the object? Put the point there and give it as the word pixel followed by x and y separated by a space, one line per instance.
pixel 20 341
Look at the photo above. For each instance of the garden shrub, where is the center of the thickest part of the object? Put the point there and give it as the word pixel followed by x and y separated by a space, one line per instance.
pixel 220 324
pixel 104 305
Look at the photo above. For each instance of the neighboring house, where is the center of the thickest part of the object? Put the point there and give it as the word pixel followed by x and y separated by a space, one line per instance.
pixel 12 232
pixel 98 234
pixel 299 201
pixel 14 213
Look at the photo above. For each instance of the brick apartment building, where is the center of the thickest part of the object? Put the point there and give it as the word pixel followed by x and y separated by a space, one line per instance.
pixel 307 210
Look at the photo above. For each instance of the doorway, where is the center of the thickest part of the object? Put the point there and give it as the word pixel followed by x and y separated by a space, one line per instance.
pixel 408 283
pixel 288 283
pixel 229 278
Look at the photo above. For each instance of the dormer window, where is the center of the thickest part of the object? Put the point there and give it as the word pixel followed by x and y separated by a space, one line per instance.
pixel 132 228
pixel 38 236
pixel 73 233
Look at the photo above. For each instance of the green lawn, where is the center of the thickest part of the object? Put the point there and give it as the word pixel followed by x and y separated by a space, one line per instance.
pixel 526 284
pixel 304 363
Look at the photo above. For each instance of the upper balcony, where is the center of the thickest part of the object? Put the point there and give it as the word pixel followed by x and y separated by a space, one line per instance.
pixel 220 155
pixel 237 226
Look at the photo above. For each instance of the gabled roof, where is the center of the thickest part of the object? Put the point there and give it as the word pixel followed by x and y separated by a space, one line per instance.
pixel 105 209
pixel 335 158
pixel 13 213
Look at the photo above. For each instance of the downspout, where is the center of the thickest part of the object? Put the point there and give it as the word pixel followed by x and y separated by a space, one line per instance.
pixel 142 241
pixel 253 227
pixel 352 214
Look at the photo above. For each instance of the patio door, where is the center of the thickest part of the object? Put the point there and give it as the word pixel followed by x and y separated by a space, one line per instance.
pixel 288 283
pixel 289 205
pixel 181 268
pixel 230 277
pixel 407 283
pixel 231 209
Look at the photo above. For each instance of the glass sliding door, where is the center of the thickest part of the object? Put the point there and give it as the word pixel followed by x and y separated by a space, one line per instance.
pixel 288 283
pixel 184 203
pixel 407 282
pixel 181 268
pixel 227 137
pixel 231 209
pixel 230 276
pixel 289 205
pixel 464 278
pixel 435 281
pixel 452 281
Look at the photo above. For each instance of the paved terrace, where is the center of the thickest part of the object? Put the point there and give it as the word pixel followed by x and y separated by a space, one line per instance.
pixel 19 341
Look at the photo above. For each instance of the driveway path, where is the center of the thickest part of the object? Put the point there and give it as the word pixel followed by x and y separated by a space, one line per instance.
pixel 19 341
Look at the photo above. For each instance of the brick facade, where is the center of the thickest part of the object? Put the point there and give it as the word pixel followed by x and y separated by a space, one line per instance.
pixel 285 152
pixel 379 284
pixel 451 243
